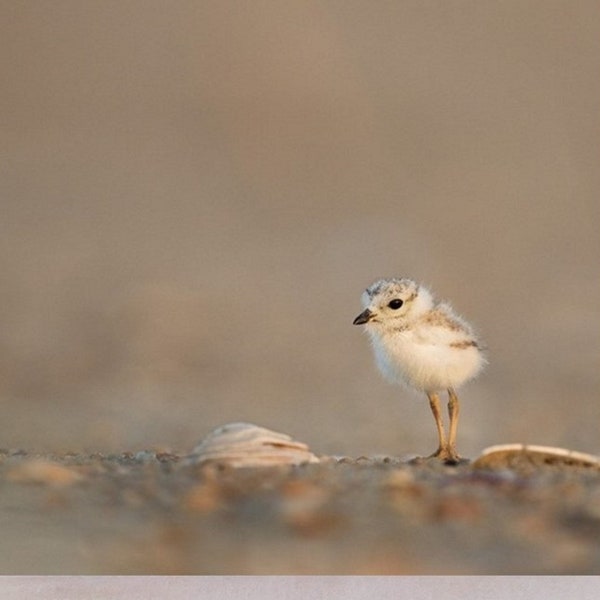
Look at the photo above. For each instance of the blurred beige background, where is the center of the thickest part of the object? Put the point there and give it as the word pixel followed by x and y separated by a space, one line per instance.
pixel 194 195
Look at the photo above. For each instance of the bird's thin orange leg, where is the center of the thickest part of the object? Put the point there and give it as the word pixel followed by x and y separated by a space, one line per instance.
pixel 453 411
pixel 434 403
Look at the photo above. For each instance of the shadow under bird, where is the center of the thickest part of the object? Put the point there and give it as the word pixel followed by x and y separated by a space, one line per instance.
pixel 423 344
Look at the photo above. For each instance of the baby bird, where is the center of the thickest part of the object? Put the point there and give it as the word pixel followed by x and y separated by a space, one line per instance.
pixel 421 343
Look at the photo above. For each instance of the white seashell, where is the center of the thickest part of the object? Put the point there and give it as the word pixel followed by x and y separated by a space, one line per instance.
pixel 525 455
pixel 247 445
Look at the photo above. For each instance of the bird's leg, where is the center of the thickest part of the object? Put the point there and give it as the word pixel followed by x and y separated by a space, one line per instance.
pixel 453 410
pixel 434 403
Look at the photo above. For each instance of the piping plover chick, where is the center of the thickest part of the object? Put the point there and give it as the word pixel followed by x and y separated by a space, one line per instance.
pixel 423 344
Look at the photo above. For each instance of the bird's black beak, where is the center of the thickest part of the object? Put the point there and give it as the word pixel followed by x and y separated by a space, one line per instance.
pixel 363 318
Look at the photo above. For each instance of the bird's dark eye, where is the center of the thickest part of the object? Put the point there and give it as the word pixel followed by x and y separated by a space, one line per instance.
pixel 395 304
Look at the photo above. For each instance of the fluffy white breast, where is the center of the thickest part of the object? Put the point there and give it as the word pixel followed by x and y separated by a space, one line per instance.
pixel 426 359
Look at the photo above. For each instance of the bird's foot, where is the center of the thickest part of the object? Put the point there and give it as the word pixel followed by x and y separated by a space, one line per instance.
pixel 448 455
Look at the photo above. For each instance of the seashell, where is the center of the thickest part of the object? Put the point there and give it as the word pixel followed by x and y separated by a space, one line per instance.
pixel 515 456
pixel 248 445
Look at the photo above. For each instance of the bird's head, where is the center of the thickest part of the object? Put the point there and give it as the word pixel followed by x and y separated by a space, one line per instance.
pixel 391 303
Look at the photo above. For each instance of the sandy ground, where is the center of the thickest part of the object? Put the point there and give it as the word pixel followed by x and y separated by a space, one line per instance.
pixel 149 513
pixel 193 197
